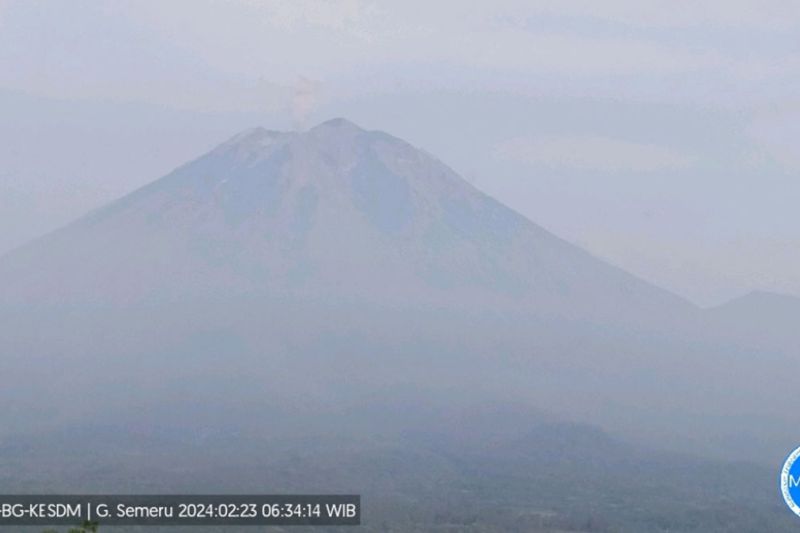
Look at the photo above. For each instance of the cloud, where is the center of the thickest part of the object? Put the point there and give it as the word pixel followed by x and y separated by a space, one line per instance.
pixel 757 14
pixel 304 100
pixel 732 51
pixel 296 14
pixel 591 153
pixel 775 132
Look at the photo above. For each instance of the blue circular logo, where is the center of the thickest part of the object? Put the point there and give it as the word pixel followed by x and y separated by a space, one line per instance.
pixel 790 481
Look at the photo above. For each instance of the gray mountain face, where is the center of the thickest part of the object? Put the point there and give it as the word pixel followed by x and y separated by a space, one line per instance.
pixel 335 212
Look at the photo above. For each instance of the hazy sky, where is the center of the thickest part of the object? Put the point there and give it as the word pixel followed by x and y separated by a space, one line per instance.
pixel 661 135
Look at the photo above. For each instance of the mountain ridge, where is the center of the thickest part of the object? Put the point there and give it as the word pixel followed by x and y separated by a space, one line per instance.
pixel 760 297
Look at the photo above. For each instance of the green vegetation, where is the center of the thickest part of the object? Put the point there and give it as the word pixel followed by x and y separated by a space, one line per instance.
pixel 86 527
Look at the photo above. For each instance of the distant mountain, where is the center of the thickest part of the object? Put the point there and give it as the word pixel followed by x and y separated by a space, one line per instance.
pixel 771 317
pixel 333 212
pixel 761 305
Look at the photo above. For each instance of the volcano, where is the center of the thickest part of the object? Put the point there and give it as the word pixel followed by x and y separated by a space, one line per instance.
pixel 335 212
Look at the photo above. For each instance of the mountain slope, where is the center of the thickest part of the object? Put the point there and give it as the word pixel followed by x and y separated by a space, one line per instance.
pixel 332 212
